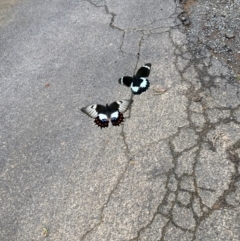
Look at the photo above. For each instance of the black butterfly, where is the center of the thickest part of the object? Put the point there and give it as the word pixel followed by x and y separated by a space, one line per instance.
pixel 138 83
pixel 102 114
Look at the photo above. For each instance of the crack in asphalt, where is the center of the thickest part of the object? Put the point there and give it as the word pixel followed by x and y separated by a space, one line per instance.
pixel 208 126
pixel 164 208
pixel 201 139
pixel 127 151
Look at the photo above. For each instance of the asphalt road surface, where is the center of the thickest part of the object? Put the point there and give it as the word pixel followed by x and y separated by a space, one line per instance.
pixel 170 172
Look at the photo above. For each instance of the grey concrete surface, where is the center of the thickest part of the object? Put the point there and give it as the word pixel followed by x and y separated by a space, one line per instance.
pixel 170 172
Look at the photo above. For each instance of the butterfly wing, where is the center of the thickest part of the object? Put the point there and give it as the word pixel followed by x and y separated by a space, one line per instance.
pixel 93 110
pixel 99 113
pixel 116 109
pixel 144 71
pixel 121 105
pixel 139 85
pixel 117 118
pixel 126 80
pixel 102 120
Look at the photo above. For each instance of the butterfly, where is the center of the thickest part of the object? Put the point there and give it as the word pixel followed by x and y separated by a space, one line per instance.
pixel 103 114
pixel 138 83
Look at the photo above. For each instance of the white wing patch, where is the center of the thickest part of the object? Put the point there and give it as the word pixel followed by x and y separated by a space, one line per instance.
pixel 121 80
pixel 135 88
pixel 144 83
pixel 114 115
pixel 91 111
pixel 102 117
pixel 145 66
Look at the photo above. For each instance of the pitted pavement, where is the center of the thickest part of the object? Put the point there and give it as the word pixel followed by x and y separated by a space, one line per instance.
pixel 170 172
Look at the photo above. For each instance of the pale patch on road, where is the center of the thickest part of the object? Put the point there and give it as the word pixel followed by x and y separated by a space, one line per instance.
pixel 6 14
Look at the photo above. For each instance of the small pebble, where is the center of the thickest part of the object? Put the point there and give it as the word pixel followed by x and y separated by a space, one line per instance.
pixel 229 34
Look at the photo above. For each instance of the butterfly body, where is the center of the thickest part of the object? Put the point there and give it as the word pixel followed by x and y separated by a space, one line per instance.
pixel 103 114
pixel 138 83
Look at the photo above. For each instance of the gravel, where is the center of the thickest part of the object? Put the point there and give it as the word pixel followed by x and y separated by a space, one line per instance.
pixel 215 25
